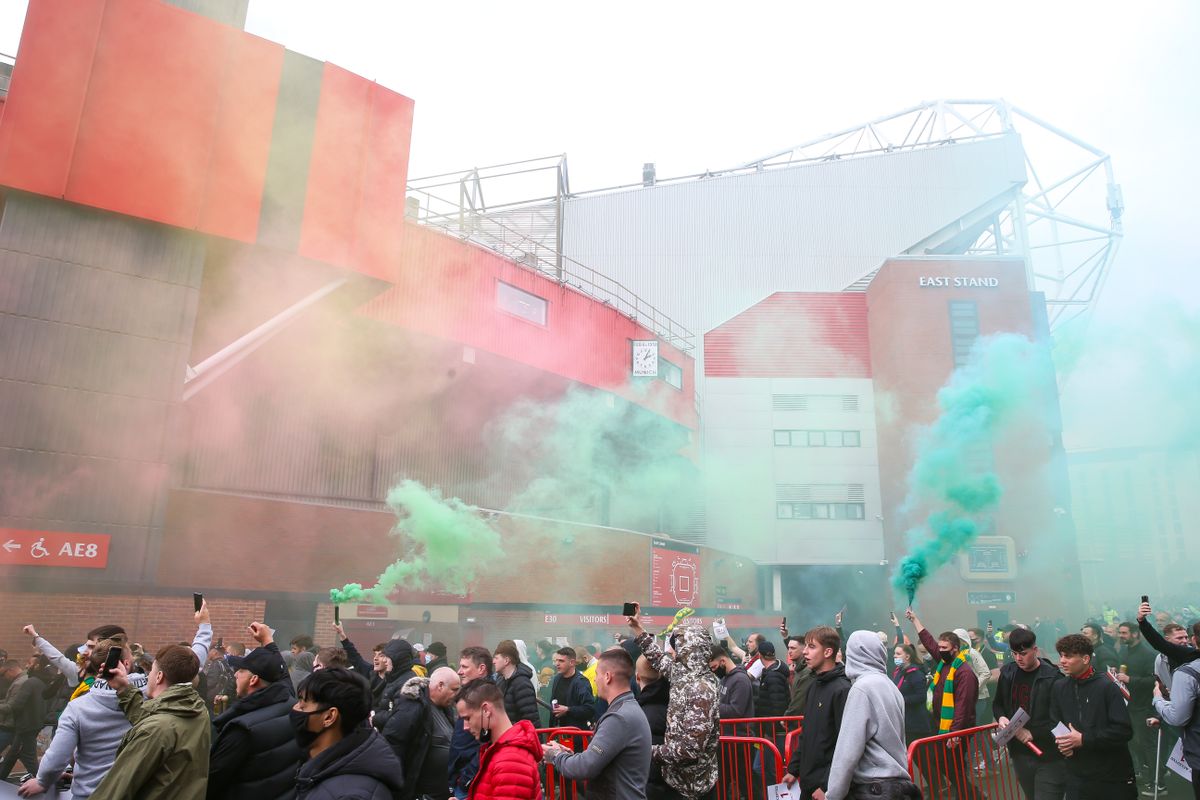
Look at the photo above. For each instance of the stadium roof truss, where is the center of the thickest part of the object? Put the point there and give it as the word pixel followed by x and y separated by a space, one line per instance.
pixel 1065 221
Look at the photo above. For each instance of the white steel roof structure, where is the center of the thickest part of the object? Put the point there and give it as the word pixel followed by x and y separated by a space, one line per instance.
pixel 972 177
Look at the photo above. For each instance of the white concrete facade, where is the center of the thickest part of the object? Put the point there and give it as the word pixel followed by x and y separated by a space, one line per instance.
pixel 754 475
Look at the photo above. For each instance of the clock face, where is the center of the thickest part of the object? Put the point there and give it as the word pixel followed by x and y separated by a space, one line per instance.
pixel 645 358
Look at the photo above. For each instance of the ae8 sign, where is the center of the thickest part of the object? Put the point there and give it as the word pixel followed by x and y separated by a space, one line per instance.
pixel 53 548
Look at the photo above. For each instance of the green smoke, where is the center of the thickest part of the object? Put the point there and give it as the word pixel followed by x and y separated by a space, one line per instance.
pixel 442 541
pixel 586 456
pixel 952 480
pixel 597 458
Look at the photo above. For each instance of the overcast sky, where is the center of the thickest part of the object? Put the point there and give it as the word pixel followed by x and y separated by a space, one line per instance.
pixel 694 85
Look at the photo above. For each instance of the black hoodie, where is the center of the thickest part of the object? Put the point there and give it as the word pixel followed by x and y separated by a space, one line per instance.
pixel 401 654
pixel 822 720
pixel 362 765
pixel 1096 707
pixel 1177 654
pixel 1037 706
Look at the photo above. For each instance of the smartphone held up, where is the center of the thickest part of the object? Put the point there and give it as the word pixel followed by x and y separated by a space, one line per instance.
pixel 111 660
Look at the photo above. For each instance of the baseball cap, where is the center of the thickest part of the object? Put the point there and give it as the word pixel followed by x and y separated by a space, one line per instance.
pixel 767 649
pixel 264 663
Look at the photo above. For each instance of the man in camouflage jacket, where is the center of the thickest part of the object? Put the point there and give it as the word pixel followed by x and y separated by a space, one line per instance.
pixel 688 754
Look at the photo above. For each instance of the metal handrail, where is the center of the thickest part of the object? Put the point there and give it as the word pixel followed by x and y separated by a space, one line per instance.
pixel 486 231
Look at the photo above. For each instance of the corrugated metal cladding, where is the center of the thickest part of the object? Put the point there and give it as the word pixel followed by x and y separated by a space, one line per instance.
pixel 705 250
pixel 96 312
pixel 793 335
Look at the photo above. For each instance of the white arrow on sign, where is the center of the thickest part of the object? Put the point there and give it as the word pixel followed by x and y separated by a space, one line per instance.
pixel 10 545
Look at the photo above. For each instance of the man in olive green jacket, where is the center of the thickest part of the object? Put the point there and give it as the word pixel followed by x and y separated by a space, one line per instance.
pixel 164 756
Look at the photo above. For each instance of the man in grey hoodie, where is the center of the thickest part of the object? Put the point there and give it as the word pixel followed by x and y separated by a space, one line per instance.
pixel 870 758
pixel 89 731
pixel 616 762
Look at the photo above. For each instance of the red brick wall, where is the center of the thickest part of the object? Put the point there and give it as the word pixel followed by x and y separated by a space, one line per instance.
pixel 64 619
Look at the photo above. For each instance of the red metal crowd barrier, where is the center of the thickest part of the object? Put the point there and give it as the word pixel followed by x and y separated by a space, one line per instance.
pixel 557 787
pixel 967 764
pixel 773 728
pixel 748 765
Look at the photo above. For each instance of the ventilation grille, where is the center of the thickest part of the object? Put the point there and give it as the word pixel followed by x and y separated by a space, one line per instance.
pixel 815 402
pixel 819 493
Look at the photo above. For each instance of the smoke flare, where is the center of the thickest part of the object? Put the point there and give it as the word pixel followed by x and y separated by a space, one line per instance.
pixel 1006 378
pixel 443 540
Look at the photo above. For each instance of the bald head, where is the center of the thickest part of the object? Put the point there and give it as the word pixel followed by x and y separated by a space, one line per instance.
pixel 443 686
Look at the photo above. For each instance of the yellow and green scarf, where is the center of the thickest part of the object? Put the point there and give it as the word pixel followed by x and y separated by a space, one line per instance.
pixel 946 718
pixel 84 687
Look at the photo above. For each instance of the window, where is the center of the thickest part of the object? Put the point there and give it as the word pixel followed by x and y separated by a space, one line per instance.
pixel 670 373
pixel 817 438
pixel 851 511
pixel 521 303
pixel 964 329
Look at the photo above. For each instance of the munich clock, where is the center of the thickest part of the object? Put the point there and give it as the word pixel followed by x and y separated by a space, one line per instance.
pixel 645 358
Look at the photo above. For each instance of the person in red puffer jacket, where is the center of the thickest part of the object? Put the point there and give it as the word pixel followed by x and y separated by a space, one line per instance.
pixel 509 754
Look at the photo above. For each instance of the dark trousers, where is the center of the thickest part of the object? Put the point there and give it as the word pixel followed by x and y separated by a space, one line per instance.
pixel 24 747
pixel 885 789
pixel 1080 789
pixel 1143 747
pixel 1196 783
pixel 1040 778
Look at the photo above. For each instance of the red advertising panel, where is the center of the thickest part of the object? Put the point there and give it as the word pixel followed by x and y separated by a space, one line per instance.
pixel 674 574
pixel 241 144
pixel 384 184
pixel 53 548
pixel 357 176
pixel 146 132
pixel 46 96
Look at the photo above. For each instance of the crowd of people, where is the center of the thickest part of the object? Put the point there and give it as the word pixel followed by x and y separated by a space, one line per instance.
pixel 1093 714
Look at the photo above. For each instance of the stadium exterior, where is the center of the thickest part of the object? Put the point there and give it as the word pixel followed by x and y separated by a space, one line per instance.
pixel 232 321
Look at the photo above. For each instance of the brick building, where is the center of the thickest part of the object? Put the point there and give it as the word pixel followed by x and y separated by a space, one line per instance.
pixel 225 340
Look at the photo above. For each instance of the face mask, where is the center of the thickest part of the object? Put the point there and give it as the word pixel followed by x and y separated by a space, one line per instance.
pixel 899 661
pixel 721 672
pixel 948 657
pixel 485 731
pixel 299 720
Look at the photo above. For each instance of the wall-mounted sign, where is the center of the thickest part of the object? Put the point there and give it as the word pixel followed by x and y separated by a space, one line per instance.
pixel 53 548
pixel 990 598
pixel 989 558
pixel 645 358
pixel 957 282
pixel 674 574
